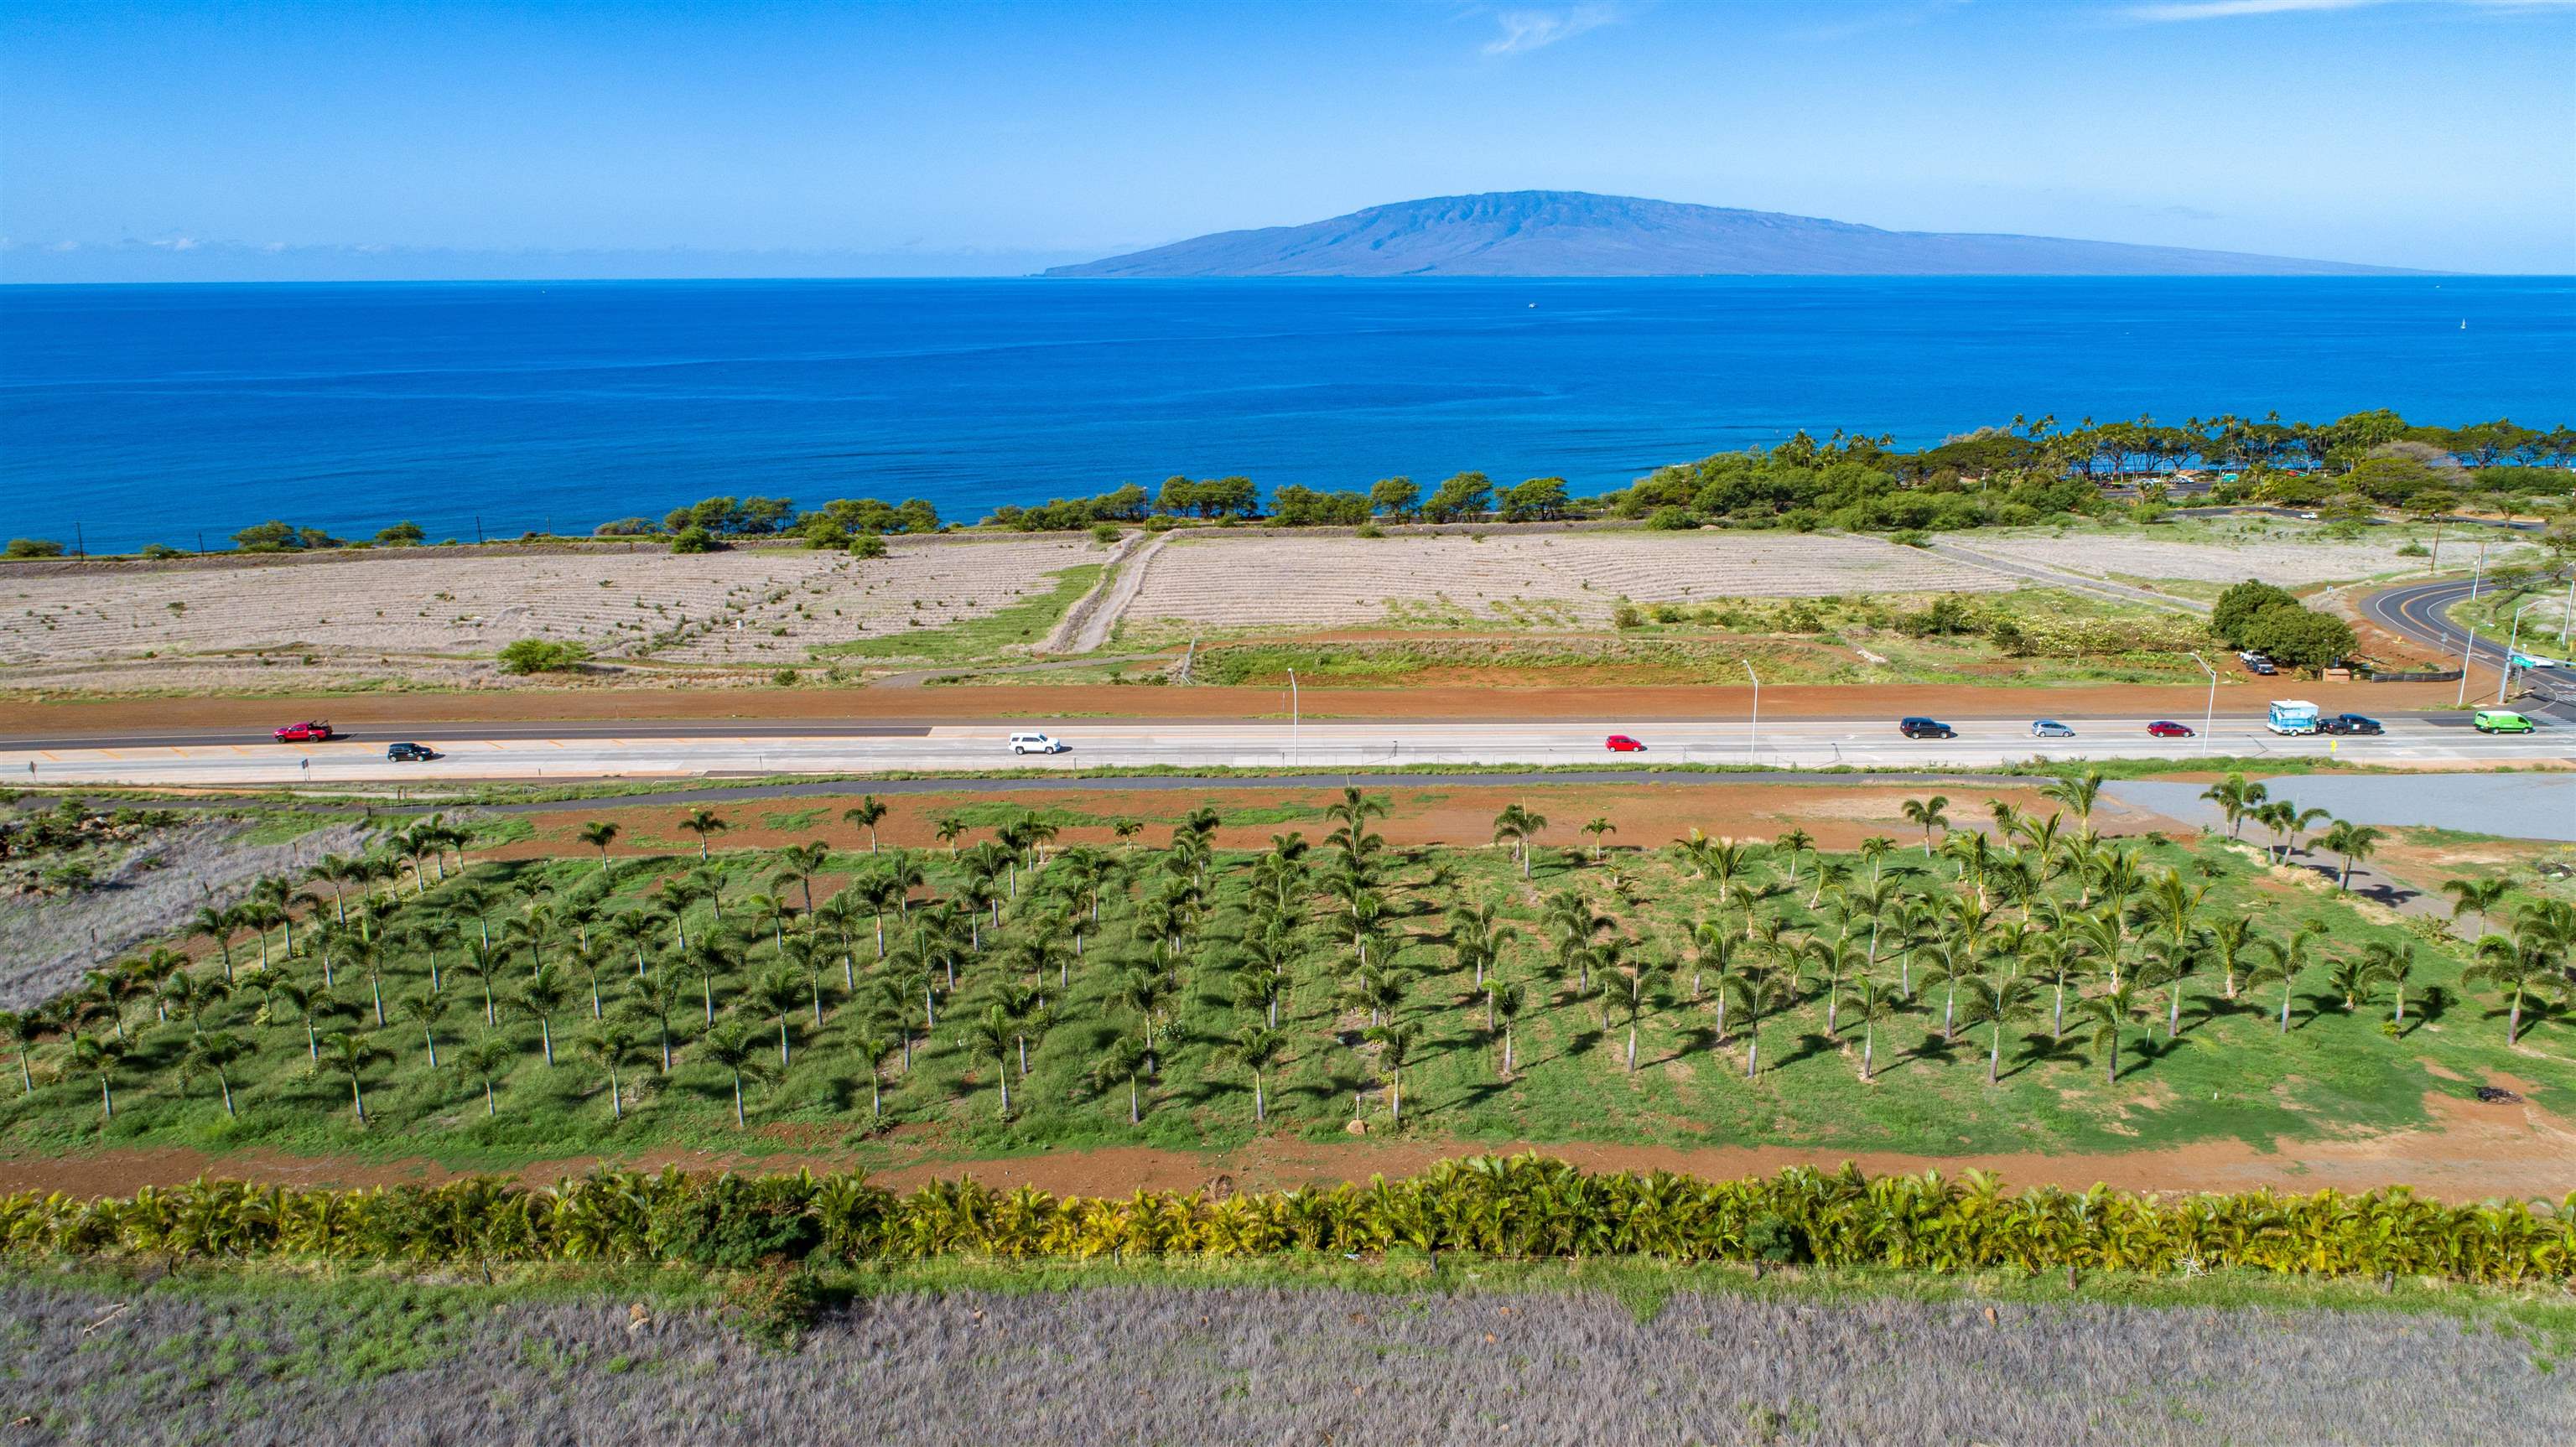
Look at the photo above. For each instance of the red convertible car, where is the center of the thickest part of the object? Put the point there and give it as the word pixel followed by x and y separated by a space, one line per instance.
pixel 1622 744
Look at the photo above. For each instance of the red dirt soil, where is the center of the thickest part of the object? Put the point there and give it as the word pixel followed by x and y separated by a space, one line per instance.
pixel 2474 1152
pixel 1839 815
pixel 934 705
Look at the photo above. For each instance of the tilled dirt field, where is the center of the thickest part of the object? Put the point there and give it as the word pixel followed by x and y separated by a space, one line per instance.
pixel 1175 1364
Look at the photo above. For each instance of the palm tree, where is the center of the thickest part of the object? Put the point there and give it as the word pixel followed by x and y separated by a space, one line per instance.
pixel 610 1047
pixel 1395 1041
pixel 98 1056
pixel 542 995
pixel 1505 999
pixel 2109 1013
pixel 2353 842
pixel 1599 826
pixel 2289 959
pixel 776 993
pixel 802 862
pixel 2394 964
pixel 352 1054
pixel 950 829
pixel 988 1037
pixel 703 822
pixel 1873 1001
pixel 1256 1048
pixel 487 1060
pixel 2236 799
pixel 1994 1003
pixel 20 1028
pixel 599 834
pixel 425 1009
pixel 1797 843
pixel 2478 896
pixel 2517 967
pixel 1639 980
pixel 2077 793
pixel 1756 989
pixel 213 1055
pixel 1125 829
pixel 729 1048
pixel 655 1001
pixel 217 925
pixel 867 814
pixel 1927 814
pixel 1129 1059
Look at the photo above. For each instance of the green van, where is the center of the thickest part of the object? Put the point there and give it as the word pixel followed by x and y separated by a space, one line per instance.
pixel 2501 721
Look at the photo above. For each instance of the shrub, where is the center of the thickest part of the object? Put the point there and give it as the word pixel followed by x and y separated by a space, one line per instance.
pixel 1371 530
pixel 623 528
pixel 34 548
pixel 1626 615
pixel 1671 520
pixel 1105 534
pixel 694 539
pixel 824 535
pixel 868 545
pixel 2235 609
pixel 543 655
pixel 784 678
pixel 159 552
pixel 402 535
pixel 1911 538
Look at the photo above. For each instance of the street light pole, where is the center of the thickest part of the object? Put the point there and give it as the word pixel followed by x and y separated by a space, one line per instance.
pixel 1292 718
pixel 2209 715
pixel 2466 649
pixel 2514 641
pixel 2568 615
pixel 1755 738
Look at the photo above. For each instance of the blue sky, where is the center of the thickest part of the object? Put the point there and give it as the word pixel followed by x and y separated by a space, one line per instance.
pixel 226 140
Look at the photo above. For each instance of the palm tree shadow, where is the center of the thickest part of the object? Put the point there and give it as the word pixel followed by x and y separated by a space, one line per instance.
pixel 1810 1043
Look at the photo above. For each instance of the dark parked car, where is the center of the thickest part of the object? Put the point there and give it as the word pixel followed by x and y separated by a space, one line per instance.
pixel 2348 723
pixel 409 753
pixel 1925 728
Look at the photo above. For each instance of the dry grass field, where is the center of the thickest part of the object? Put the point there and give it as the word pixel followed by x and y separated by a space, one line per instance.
pixel 427 617
pixel 2288 553
pixel 395 1363
pixel 1552 580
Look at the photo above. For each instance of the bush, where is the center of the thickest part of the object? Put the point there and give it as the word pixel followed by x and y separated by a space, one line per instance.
pixel 868 545
pixel 543 655
pixel 1671 520
pixel 1910 538
pixel 402 535
pixel 694 539
pixel 1371 530
pixel 34 548
pixel 1626 616
pixel 623 528
pixel 824 535
pixel 1106 534
pixel 159 552
pixel 784 678
pixel 2236 607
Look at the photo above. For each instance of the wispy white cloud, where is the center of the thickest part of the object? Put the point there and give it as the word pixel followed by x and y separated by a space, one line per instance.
pixel 1524 30
pixel 2230 9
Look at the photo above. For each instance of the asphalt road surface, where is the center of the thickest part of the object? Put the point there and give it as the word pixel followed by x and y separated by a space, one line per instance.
pixel 478 752
pixel 2421 612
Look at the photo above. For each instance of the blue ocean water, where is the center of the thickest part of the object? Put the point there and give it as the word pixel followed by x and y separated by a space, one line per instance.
pixel 148 413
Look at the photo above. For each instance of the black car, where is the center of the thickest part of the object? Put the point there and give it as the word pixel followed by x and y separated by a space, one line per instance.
pixel 1925 728
pixel 409 753
pixel 2348 723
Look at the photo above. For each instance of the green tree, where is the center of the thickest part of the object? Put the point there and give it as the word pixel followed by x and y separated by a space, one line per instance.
pixel 1994 1003
pixel 1395 1041
pixel 703 822
pixel 351 1054
pixel 100 1056
pixel 486 1061
pixel 1124 1058
pixel 599 834
pixel 213 1054
pixel 867 814
pixel 729 1048
pixel 1458 497
pixel 611 1048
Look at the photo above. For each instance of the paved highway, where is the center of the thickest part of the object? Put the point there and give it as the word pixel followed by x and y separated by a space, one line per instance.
pixel 725 750
pixel 2421 612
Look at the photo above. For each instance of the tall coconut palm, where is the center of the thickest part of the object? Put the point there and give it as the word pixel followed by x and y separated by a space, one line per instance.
pixel 1395 1041
pixel 802 862
pixel 213 1054
pixel 424 1010
pixel 2393 965
pixel 2286 960
pixel 777 993
pixel 2476 896
pixel 869 812
pixel 2517 967
pixel 2352 843
pixel 950 829
pixel 352 1054
pixel 1257 1049
pixel 217 926
pixel 486 1061
pixel 1757 989
pixel 1995 1002
pixel 611 1048
pixel 1873 1001
pixel 703 822
pixel 2237 800
pixel 99 1056
pixel 988 1037
pixel 2077 793
pixel 599 834
pixel 653 1003
pixel 1128 1059
pixel 729 1048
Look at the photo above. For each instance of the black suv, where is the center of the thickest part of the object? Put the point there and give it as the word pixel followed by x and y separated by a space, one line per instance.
pixel 409 753
pixel 2348 723
pixel 1925 728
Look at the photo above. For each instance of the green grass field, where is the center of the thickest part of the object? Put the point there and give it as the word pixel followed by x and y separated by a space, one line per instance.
pixel 2229 1072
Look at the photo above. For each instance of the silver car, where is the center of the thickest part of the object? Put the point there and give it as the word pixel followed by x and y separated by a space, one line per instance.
pixel 2049 728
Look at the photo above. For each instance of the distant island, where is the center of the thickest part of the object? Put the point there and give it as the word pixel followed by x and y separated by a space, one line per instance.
pixel 1576 233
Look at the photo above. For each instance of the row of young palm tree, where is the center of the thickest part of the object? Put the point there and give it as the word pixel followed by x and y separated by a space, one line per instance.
pixel 1350 958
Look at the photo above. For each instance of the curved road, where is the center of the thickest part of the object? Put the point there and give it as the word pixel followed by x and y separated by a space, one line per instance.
pixel 2421 612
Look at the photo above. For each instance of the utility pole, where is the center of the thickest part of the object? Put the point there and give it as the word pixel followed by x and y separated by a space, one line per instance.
pixel 80 545
pixel 2466 649
pixel 1292 718
pixel 1755 738
pixel 2209 715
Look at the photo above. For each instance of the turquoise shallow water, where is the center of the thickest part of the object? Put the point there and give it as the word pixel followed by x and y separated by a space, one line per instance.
pixel 146 413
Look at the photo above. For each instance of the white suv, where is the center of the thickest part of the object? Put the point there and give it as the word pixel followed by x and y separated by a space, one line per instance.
pixel 1035 744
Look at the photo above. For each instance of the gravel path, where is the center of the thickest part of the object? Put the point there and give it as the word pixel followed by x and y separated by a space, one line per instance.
pixel 1085 627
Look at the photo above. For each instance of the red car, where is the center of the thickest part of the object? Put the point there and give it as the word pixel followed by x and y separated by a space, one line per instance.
pixel 312 731
pixel 1622 744
pixel 2165 728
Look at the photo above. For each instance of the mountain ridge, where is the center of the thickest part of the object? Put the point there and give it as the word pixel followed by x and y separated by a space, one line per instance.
pixel 1582 234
